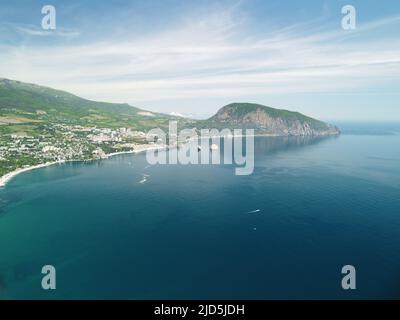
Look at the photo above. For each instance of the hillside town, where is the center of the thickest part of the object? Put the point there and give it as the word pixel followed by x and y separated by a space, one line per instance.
pixel 61 142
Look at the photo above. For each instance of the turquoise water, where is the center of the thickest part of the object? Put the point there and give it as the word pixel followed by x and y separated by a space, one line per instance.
pixel 311 206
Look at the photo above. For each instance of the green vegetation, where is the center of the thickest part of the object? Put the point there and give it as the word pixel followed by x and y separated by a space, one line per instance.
pixel 238 111
pixel 39 125
pixel 37 103
pixel 266 120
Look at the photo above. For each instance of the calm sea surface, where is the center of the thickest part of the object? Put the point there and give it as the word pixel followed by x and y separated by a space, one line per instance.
pixel 310 207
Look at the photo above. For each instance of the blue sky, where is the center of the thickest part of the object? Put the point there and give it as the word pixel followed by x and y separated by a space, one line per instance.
pixel 192 57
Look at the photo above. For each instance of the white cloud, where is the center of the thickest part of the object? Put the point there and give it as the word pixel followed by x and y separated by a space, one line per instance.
pixel 211 56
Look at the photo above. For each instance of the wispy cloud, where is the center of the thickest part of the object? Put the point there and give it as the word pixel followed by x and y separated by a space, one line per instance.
pixel 212 55
pixel 36 31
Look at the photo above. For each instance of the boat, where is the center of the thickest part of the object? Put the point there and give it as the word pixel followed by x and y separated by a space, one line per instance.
pixel 214 147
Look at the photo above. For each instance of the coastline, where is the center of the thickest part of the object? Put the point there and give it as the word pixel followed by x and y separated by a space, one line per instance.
pixel 141 148
pixel 9 176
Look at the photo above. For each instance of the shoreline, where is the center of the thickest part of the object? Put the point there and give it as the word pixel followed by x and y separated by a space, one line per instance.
pixel 9 176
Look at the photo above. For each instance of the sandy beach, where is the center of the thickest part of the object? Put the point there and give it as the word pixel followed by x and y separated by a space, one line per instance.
pixel 7 177
pixel 139 149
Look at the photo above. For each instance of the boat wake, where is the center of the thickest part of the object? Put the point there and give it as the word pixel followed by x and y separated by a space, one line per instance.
pixel 144 179
pixel 254 211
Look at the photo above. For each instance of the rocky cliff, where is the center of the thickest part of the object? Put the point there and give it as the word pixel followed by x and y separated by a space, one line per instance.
pixel 266 120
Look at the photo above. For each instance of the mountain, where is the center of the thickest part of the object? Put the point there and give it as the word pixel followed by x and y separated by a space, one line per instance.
pixel 23 102
pixel 40 125
pixel 267 120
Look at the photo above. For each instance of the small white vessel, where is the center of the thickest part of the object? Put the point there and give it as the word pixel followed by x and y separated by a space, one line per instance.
pixel 254 211
pixel 214 147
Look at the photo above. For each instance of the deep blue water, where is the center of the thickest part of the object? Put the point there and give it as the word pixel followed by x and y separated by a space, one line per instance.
pixel 187 231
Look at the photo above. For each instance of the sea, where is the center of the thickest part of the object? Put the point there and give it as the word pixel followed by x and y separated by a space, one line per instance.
pixel 123 229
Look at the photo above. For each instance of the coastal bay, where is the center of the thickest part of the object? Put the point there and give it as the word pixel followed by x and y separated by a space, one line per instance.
pixel 7 177
pixel 201 232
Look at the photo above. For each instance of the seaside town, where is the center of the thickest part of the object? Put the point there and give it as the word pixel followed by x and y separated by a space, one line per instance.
pixel 61 142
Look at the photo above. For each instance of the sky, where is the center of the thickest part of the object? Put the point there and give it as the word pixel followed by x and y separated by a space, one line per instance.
pixel 192 57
